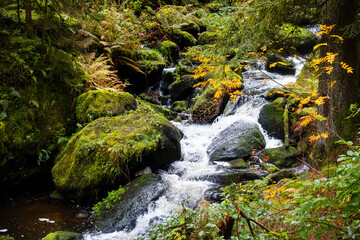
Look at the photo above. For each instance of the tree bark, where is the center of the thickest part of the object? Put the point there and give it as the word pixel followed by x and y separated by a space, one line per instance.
pixel 345 91
pixel 28 19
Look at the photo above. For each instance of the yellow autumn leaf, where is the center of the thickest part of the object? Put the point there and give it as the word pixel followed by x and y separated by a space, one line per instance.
pixel 313 138
pixel 319 45
pixel 321 100
pixel 325 135
pixel 332 83
pixel 305 120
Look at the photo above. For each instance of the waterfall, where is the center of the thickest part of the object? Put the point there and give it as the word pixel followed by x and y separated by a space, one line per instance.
pixel 183 176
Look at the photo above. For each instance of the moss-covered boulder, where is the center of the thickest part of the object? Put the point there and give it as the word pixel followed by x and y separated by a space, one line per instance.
pixel 300 38
pixel 180 106
pixel 159 110
pixel 206 108
pixel 227 178
pixel 278 64
pixel 95 104
pixel 63 236
pixel 182 87
pixel 123 206
pixel 271 118
pixel 169 50
pixel 191 27
pixel 236 141
pixel 208 37
pixel 213 7
pixel 110 150
pixel 282 157
pixel 285 173
pixel 182 38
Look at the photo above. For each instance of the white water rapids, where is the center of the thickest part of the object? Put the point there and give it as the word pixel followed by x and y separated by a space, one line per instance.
pixel 182 175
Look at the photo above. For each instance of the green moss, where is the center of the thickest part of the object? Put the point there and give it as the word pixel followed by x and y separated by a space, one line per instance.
pixel 6 238
pixel 146 107
pixel 300 38
pixel 168 50
pixel 180 106
pixel 271 118
pixel 213 7
pixel 63 236
pixel 182 38
pixel 281 157
pixel 182 87
pixel 112 149
pixel 209 38
pixel 283 174
pixel 95 104
pixel 238 163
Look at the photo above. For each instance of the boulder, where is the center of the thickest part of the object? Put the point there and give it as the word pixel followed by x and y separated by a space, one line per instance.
pixel 63 236
pixel 285 173
pixel 208 37
pixel 182 38
pixel 110 150
pixel 238 163
pixel 6 238
pixel 228 178
pixel 122 207
pixel 282 157
pixel 95 104
pixel 283 66
pixel 271 118
pixel 169 51
pixel 182 87
pixel 236 141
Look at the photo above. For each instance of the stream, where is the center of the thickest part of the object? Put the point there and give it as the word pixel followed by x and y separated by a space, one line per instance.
pixel 189 179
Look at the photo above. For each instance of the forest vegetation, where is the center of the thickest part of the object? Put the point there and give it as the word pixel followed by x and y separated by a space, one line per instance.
pixel 76 73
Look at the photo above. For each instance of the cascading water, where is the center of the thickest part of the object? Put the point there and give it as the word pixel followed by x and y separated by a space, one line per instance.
pixel 183 176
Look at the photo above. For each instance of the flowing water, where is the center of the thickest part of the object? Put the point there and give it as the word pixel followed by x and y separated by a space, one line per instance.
pixel 183 176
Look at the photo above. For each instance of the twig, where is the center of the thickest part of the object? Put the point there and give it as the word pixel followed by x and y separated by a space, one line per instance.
pixel 285 209
pixel 311 167
pixel 248 220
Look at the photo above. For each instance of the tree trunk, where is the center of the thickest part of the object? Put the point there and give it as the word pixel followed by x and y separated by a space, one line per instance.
pixel 28 19
pixel 345 91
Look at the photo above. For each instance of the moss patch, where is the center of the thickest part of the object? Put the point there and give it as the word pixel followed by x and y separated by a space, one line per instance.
pixel 271 118
pixel 63 236
pixel 95 104
pixel 281 156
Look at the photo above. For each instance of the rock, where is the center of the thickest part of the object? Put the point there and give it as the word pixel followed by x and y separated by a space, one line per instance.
pixel 214 195
pixel 63 236
pixel 286 173
pixel 209 38
pixel 110 150
pixel 182 38
pixel 285 68
pixel 238 163
pixel 275 93
pixel 82 215
pixel 228 178
pixel 182 87
pixel 236 141
pixel 213 7
pixel 56 195
pixel 168 114
pixel 191 27
pixel 269 167
pixel 280 156
pixel 148 97
pixel 300 38
pixel 180 106
pixel 122 207
pixel 205 108
pixel 169 50
pixel 271 118
pixel 95 104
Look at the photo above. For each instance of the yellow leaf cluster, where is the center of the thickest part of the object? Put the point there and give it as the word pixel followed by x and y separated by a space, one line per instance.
pixel 347 67
pixel 321 100
pixel 313 138
pixel 325 30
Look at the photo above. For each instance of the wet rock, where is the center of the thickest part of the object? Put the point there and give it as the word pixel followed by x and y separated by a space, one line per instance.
pixel 285 68
pixel 271 118
pixel 122 207
pixel 236 141
pixel 82 215
pixel 282 157
pixel 214 195
pixel 209 38
pixel 6 238
pixel 63 236
pixel 180 106
pixel 228 178
pixel 286 173
pixel 238 163
pixel 182 87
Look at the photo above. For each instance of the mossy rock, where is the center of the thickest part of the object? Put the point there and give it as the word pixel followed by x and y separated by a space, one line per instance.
pixel 63 236
pixel 182 38
pixel 283 67
pixel 281 157
pixel 275 93
pixel 226 179
pixel 148 97
pixel 6 238
pixel 283 174
pixel 300 38
pixel 209 37
pixel 271 118
pixel 182 87
pixel 191 27
pixel 164 112
pixel 213 7
pixel 169 50
pixel 236 141
pixel 180 106
pixel 123 206
pixel 110 150
pixel 238 163
pixel 96 104
pixel 269 167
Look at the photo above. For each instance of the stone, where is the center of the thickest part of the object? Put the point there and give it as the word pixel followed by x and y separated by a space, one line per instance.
pixel 236 141
pixel 271 118
pixel 281 157
pixel 60 235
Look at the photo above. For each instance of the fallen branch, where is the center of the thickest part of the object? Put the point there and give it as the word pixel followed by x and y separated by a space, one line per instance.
pixel 311 167
pixel 285 209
